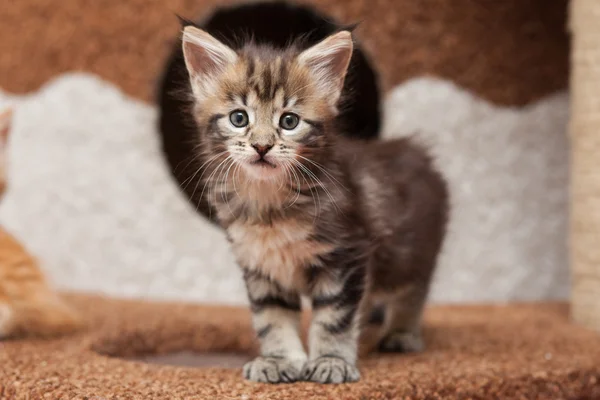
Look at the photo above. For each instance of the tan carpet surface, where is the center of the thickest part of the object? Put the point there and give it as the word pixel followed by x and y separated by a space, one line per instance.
pixel 474 352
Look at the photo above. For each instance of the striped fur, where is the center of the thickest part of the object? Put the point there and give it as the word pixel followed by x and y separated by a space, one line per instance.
pixel 349 225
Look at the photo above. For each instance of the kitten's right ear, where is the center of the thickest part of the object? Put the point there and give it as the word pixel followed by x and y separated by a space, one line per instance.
pixel 328 60
pixel 204 55
pixel 5 121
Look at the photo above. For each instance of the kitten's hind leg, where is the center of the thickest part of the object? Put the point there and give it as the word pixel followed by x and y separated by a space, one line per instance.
pixel 372 318
pixel 402 321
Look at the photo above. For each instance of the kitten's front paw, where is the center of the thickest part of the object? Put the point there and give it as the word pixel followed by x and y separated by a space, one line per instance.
pixel 273 370
pixel 330 370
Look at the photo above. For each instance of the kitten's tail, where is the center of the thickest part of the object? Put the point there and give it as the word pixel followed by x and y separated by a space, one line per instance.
pixel 5 121
pixel 44 317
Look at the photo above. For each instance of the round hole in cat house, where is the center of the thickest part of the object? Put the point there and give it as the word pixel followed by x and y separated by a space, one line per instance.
pixel 185 350
pixel 178 335
pixel 187 358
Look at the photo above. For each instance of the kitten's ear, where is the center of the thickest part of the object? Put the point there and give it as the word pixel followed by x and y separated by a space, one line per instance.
pixel 328 60
pixel 5 121
pixel 204 55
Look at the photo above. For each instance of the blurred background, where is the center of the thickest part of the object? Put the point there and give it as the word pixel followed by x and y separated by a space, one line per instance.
pixel 483 83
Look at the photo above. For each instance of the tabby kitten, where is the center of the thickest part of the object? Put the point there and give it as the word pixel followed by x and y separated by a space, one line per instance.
pixel 275 23
pixel 28 306
pixel 350 225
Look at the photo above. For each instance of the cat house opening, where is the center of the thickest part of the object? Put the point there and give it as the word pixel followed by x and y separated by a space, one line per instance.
pixel 195 359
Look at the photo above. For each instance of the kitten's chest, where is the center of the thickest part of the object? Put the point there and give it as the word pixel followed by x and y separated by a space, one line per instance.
pixel 281 250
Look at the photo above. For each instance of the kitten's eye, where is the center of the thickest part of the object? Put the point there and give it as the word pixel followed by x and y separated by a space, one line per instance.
pixel 239 118
pixel 289 121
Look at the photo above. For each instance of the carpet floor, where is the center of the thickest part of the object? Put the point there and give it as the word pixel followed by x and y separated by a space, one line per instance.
pixel 527 351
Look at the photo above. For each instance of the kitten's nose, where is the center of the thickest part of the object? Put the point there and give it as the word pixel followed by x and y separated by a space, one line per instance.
pixel 262 150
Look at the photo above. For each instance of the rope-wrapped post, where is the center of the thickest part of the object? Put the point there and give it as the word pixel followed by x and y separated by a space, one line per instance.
pixel 585 163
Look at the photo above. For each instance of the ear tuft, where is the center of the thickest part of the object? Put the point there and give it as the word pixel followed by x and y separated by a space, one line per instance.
pixel 328 61
pixel 183 22
pixel 204 55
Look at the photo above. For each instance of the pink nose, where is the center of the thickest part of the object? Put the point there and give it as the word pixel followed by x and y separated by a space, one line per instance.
pixel 262 150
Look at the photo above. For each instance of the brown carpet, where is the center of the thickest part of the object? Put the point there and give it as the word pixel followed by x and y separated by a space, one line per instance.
pixel 474 352
pixel 510 51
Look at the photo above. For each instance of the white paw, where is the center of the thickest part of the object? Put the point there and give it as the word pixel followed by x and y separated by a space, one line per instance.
pixel 6 316
pixel 330 370
pixel 273 370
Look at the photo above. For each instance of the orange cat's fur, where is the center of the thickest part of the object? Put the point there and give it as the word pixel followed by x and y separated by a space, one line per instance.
pixel 28 306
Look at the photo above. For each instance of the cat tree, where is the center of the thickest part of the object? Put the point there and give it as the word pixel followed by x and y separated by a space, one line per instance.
pixel 585 168
pixel 476 352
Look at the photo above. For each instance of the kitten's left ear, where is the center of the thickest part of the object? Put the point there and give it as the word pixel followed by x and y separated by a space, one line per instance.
pixel 5 121
pixel 328 61
pixel 205 57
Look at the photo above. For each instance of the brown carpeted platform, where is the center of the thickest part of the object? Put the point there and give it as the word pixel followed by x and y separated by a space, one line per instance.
pixel 475 352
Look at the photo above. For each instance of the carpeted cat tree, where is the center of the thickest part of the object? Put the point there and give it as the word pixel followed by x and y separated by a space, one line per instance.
pixel 516 351
pixel 585 145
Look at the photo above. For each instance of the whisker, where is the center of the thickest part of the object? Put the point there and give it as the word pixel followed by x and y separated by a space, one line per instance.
pixel 310 187
pixel 235 171
pixel 298 184
pixel 286 179
pixel 226 182
pixel 327 173
pixel 210 177
pixel 219 183
pixel 197 154
pixel 323 186
pixel 209 161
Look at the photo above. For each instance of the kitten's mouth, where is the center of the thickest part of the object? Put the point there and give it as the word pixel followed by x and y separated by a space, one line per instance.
pixel 261 162
pixel 263 169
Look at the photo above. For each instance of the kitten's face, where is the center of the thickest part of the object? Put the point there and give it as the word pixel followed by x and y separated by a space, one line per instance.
pixel 266 114
pixel 266 110
pixel 5 120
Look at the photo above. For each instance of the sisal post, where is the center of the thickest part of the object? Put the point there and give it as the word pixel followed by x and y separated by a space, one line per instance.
pixel 585 163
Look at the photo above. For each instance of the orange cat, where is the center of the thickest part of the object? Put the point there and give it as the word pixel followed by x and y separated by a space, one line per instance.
pixel 28 306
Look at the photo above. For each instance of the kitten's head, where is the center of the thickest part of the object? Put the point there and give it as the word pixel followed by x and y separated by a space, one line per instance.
pixel 5 120
pixel 267 109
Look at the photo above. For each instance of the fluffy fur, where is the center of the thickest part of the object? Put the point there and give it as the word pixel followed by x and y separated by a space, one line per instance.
pixel 352 225
pixel 275 23
pixel 28 306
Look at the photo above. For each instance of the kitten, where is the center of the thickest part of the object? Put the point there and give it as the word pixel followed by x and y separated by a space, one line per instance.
pixel 267 22
pixel 28 306
pixel 351 225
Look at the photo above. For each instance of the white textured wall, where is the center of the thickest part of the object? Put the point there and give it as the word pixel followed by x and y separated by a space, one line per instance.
pixel 508 173
pixel 90 196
